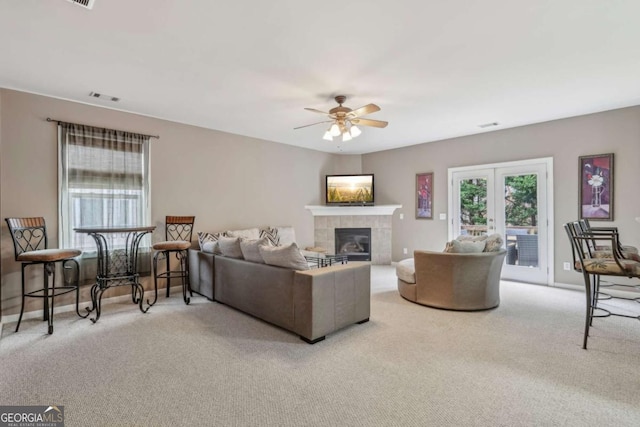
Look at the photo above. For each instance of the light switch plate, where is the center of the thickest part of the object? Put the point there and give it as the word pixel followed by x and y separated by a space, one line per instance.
pixel 443 216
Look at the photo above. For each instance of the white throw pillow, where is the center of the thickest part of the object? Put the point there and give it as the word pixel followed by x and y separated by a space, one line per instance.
pixel 211 248
pixel 286 235
pixel 287 256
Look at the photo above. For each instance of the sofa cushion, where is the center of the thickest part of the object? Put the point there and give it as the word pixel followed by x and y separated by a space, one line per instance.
pixel 209 242
pixel 287 256
pixel 251 249
pixel 247 233
pixel 406 270
pixel 467 247
pixel 230 247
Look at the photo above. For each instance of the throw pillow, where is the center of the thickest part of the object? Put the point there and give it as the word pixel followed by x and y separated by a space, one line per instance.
pixel 251 249
pixel 470 238
pixel 271 234
pixel 230 247
pixel 493 243
pixel 211 248
pixel 467 247
pixel 448 248
pixel 286 235
pixel 247 233
pixel 287 256
pixel 209 237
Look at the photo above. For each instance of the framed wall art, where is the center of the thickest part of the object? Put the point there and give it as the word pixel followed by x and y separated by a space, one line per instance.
pixel 596 187
pixel 424 195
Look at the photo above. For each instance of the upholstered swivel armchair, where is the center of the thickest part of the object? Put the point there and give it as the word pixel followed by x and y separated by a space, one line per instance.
pixel 454 281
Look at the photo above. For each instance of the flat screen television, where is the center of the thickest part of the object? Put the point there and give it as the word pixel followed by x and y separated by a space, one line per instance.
pixel 349 189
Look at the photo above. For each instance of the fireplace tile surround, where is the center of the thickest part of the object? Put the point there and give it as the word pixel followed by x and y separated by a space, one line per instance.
pixel 378 218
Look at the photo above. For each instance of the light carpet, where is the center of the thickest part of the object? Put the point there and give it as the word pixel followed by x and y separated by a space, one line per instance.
pixel 520 364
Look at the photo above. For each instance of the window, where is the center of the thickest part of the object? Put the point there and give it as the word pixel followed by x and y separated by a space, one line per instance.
pixel 103 180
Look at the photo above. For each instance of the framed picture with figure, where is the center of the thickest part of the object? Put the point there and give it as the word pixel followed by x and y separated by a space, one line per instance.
pixel 424 195
pixel 596 187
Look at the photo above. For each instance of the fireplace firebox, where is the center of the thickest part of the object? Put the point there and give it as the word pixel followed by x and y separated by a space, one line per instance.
pixel 354 242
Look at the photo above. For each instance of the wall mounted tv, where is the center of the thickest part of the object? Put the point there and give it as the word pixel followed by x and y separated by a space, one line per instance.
pixel 349 189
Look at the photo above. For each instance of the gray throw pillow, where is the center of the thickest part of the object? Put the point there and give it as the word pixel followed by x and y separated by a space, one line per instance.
pixel 230 247
pixel 467 247
pixel 287 256
pixel 251 249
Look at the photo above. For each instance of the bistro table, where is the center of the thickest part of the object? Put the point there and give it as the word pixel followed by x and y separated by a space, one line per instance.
pixel 116 267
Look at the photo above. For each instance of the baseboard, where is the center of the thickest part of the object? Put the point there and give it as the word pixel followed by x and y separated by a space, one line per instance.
pixel 615 292
pixel 64 308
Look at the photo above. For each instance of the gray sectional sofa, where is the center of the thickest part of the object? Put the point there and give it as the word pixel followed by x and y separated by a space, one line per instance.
pixel 311 303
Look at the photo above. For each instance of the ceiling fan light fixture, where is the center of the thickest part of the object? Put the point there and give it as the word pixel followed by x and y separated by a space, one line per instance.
pixel 344 120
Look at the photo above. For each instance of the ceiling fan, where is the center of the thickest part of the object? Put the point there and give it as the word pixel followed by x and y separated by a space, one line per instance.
pixel 345 119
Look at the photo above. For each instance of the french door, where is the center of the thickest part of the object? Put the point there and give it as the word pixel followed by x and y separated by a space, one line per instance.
pixel 512 199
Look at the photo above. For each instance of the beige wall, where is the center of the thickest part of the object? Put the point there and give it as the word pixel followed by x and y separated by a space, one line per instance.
pixel 227 181
pixel 230 181
pixel 616 131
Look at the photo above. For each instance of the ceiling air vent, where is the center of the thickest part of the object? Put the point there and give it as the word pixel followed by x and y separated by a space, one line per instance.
pixel 103 96
pixel 488 125
pixel 87 4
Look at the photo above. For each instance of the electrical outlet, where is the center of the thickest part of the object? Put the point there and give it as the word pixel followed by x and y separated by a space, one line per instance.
pixel 401 216
pixel 404 251
pixel 567 266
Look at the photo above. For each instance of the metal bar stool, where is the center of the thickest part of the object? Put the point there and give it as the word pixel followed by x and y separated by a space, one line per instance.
pixel 593 264
pixel 31 248
pixel 178 232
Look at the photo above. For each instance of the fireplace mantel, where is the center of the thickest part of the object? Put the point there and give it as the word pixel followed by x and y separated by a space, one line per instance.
pixel 324 210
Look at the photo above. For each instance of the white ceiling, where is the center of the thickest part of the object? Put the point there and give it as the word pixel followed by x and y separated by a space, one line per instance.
pixel 437 69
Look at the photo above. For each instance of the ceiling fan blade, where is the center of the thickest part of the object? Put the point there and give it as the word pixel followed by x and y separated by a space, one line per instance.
pixel 363 111
pixel 313 124
pixel 316 111
pixel 369 122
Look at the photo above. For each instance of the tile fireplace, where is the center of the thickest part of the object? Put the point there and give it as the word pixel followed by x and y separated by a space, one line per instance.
pixel 329 219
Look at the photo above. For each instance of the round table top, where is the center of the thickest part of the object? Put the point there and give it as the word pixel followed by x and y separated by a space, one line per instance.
pixel 112 229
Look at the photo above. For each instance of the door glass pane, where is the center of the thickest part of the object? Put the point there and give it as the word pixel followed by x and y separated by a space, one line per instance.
pixel 521 219
pixel 473 206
